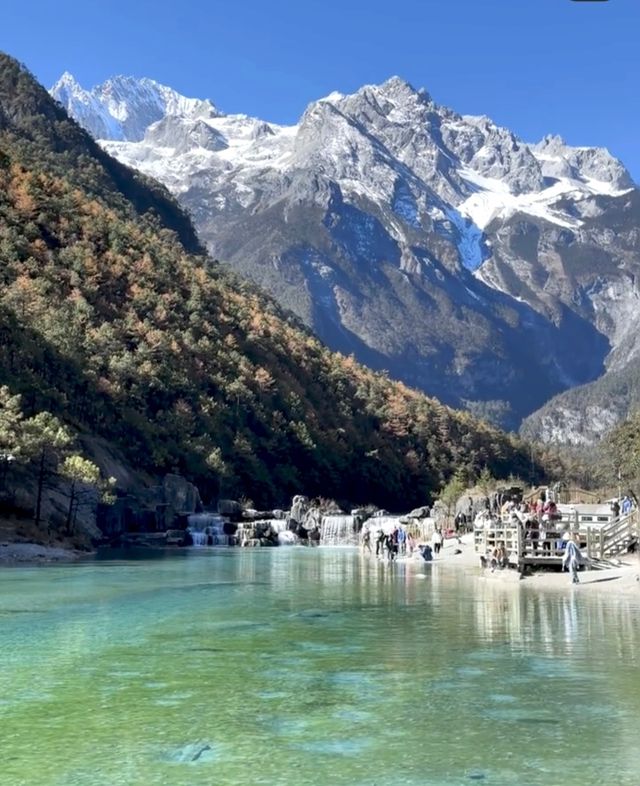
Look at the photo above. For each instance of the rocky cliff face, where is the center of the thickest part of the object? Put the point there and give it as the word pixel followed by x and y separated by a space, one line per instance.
pixel 489 272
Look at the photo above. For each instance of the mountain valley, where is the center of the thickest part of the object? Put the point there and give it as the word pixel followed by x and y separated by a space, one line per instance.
pixel 491 273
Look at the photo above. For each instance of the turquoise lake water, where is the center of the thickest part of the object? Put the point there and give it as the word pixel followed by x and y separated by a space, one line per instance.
pixel 310 666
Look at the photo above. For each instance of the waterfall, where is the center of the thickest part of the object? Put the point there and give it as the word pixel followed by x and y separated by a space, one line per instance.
pixel 207 529
pixel 421 529
pixel 199 538
pixel 285 536
pixel 260 528
pixel 385 523
pixel 277 525
pixel 338 531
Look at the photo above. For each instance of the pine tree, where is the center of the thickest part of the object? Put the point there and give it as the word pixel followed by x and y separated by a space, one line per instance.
pixel 11 447
pixel 46 440
pixel 85 484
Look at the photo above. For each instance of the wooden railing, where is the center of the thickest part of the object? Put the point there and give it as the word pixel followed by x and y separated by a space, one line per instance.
pixel 613 538
pixel 486 540
pixel 601 542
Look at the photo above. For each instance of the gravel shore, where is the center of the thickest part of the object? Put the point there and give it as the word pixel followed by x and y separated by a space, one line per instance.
pixel 34 553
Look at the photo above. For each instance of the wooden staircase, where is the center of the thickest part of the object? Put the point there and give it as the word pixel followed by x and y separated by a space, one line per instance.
pixel 614 538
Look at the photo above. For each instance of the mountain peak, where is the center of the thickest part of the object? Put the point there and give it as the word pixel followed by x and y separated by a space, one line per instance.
pixel 123 107
pixel 397 83
pixel 66 80
pixel 399 90
pixel 593 163
pixel 68 86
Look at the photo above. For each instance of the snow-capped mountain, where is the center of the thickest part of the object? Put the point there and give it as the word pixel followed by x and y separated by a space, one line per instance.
pixel 464 260
pixel 123 107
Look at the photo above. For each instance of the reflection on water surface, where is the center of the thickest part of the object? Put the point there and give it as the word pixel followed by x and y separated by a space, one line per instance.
pixel 293 666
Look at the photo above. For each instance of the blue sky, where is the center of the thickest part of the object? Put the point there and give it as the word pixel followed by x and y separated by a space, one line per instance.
pixel 537 66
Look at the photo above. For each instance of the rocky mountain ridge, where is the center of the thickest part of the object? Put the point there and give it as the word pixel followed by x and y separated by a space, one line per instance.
pixel 115 325
pixel 441 247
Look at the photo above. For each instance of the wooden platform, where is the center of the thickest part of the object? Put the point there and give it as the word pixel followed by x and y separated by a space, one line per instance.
pixel 598 542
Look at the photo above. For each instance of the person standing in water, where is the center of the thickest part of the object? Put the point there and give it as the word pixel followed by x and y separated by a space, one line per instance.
pixel 436 541
pixel 401 538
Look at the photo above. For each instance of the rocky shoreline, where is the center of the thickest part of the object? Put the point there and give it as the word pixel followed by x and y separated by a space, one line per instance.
pixel 37 554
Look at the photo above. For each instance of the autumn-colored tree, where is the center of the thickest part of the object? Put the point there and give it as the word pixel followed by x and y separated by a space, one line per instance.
pixel 113 321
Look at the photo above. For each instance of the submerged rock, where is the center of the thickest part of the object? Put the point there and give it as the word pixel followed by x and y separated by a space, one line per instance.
pixel 192 752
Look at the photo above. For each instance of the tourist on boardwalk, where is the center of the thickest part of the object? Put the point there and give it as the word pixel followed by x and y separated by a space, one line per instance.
pixel 436 540
pixel 380 543
pixel 625 508
pixel 543 535
pixel 366 541
pixel 533 533
pixel 615 508
pixel 499 557
pixel 572 556
pixel 550 510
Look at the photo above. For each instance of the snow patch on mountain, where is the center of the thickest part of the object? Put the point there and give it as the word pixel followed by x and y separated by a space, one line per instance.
pixel 389 143
pixel 404 205
pixel 470 240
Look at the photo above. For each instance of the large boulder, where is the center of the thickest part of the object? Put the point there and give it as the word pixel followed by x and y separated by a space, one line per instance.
pixel 230 528
pixel 176 537
pixel 180 495
pixel 299 508
pixel 230 508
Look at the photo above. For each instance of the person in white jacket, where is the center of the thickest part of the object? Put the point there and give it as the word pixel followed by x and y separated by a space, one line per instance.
pixel 572 558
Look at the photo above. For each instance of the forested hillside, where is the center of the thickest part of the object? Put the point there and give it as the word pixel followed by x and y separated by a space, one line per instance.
pixel 112 319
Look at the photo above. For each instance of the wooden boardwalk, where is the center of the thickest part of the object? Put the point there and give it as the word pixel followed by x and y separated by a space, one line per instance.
pixel 599 542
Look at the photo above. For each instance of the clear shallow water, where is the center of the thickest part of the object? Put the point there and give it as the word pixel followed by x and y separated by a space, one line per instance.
pixel 294 666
